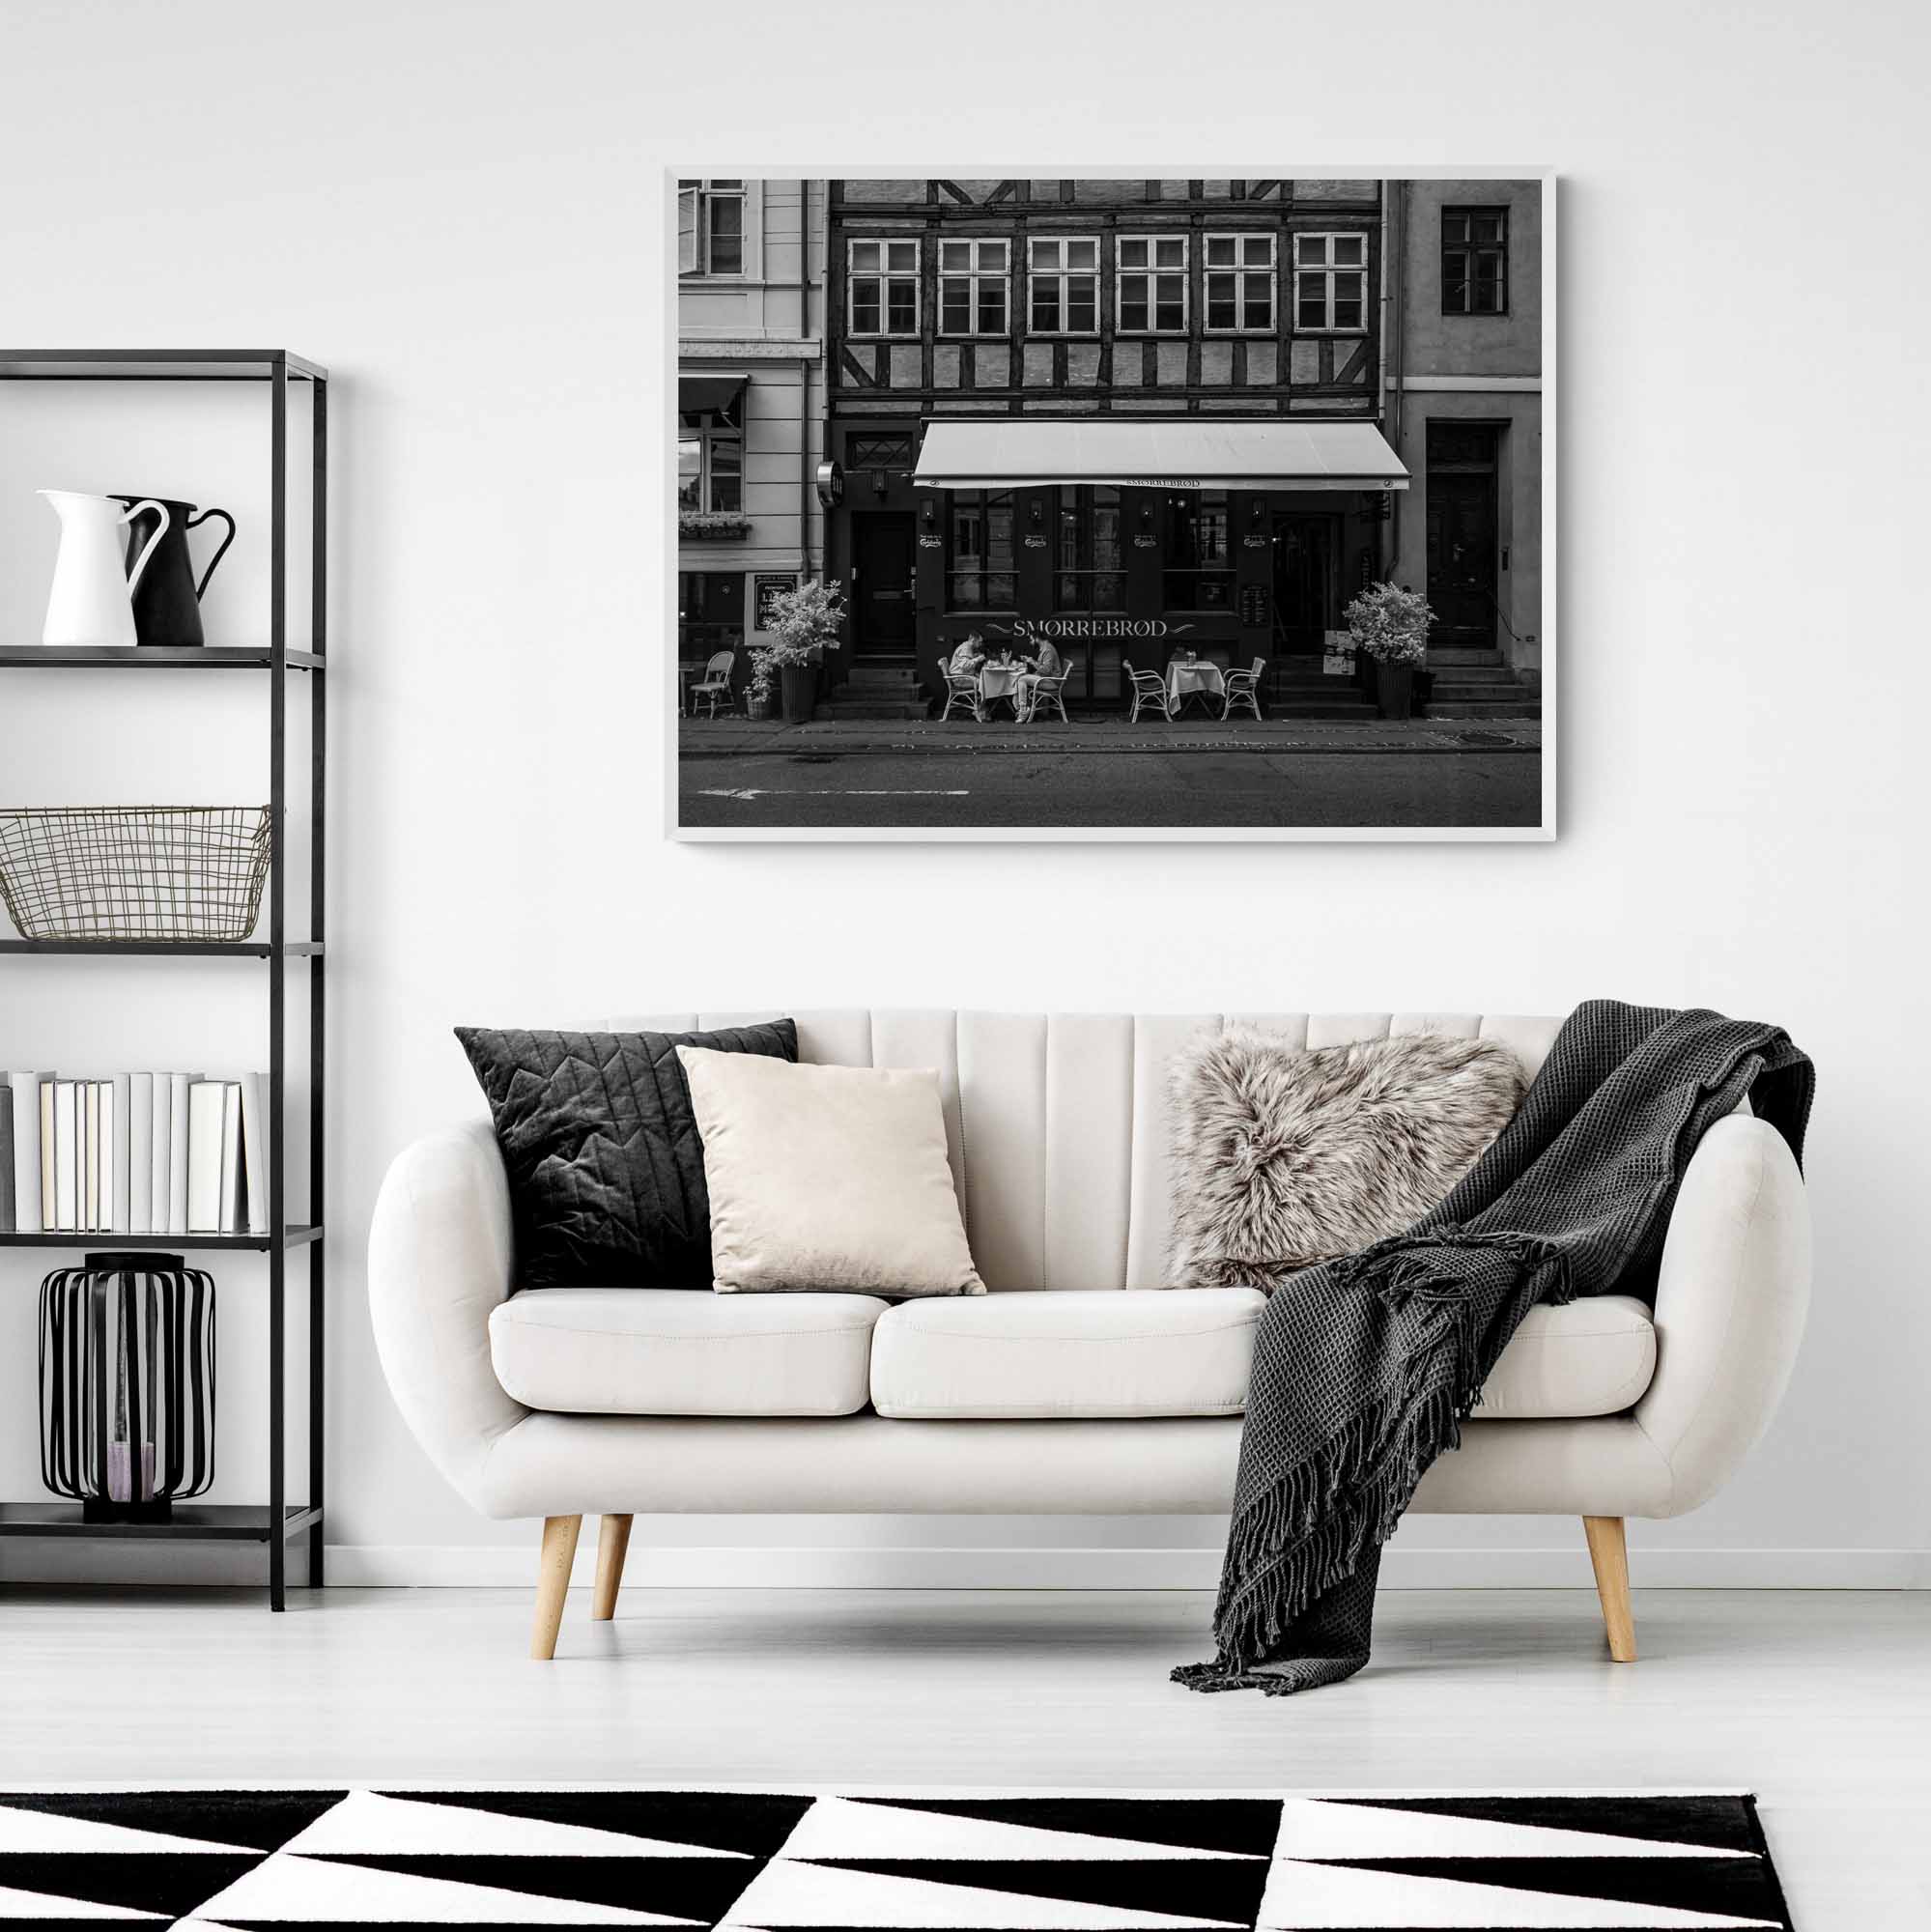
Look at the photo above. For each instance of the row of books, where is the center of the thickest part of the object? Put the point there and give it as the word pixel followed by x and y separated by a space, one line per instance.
pixel 135 1154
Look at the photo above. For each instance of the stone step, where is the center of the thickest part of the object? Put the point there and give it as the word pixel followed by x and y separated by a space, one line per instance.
pixel 1458 693
pixel 841 709
pixel 1473 674
pixel 1498 707
pixel 1461 654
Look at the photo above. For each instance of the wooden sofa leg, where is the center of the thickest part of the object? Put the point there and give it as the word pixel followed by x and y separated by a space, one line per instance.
pixel 612 1545
pixel 1610 1556
pixel 552 1582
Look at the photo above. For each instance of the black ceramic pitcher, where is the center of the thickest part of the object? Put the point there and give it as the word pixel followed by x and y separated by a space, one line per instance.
pixel 167 599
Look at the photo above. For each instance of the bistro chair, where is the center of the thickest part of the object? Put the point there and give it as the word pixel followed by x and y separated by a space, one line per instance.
pixel 962 687
pixel 1243 687
pixel 1049 690
pixel 1148 690
pixel 716 688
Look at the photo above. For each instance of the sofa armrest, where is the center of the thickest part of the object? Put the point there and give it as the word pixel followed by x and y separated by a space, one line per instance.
pixel 440 1255
pixel 1731 1299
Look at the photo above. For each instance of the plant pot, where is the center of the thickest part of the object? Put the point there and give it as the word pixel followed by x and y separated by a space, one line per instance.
pixel 799 684
pixel 757 706
pixel 1394 689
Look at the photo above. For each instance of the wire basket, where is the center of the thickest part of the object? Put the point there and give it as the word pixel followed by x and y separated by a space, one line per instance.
pixel 153 871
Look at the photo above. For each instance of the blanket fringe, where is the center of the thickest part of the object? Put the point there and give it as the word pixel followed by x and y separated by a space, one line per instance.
pixel 1311 1530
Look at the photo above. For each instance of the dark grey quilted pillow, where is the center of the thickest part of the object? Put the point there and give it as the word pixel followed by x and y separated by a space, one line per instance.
pixel 606 1166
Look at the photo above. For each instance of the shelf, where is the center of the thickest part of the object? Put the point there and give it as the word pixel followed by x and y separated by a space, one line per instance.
pixel 162 948
pixel 217 1522
pixel 152 657
pixel 298 1234
pixel 295 442
pixel 155 365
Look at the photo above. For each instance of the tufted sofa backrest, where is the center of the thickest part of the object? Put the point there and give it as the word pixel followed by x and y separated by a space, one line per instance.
pixel 1058 1123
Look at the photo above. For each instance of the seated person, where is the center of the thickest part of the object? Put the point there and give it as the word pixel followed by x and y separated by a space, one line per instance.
pixel 967 659
pixel 1046 664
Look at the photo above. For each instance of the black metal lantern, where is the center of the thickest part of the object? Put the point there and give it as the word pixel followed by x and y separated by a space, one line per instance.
pixel 128 1385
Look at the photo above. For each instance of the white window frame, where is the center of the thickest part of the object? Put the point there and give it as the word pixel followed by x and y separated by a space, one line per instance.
pixel 973 277
pixel 698 195
pixel 884 275
pixel 704 439
pixel 1151 273
pixel 1329 269
pixel 1240 271
pixel 1063 276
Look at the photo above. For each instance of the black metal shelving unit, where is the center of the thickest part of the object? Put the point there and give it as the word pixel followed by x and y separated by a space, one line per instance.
pixel 276 1522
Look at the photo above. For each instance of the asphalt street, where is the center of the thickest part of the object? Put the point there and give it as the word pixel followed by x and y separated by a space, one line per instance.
pixel 1119 788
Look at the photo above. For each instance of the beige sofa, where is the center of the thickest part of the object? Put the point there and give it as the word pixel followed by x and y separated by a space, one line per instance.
pixel 1076 1385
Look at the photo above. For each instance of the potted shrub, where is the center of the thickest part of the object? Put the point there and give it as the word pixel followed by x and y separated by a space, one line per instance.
pixel 757 693
pixel 1389 623
pixel 802 626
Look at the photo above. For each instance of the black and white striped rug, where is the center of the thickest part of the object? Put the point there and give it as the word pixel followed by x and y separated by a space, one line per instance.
pixel 862 1860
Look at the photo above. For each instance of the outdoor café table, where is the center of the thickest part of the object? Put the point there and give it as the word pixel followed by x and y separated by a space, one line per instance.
pixel 997 681
pixel 1194 678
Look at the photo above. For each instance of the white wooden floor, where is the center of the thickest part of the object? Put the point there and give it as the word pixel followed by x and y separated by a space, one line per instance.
pixel 1820 1701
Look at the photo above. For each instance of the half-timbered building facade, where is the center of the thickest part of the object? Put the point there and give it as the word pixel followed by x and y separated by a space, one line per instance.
pixel 990 343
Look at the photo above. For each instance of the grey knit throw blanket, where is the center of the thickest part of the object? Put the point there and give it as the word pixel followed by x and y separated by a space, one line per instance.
pixel 1364 1367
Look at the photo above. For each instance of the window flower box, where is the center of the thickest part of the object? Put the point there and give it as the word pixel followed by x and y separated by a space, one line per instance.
pixel 714 525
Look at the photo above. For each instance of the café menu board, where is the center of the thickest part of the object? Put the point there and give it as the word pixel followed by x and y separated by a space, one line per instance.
pixel 766 590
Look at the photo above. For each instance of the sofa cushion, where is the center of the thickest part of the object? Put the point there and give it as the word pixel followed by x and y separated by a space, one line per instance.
pixel 827 1178
pixel 606 1169
pixel 1283 1158
pixel 1594 1357
pixel 1134 1351
pixel 1067 1352
pixel 664 1351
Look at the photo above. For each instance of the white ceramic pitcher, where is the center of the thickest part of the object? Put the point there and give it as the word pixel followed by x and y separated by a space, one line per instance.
pixel 91 602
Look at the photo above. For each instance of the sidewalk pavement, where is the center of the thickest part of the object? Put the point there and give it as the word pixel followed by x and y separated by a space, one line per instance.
pixel 740 737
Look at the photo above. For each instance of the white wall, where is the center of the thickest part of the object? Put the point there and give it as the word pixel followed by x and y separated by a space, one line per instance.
pixel 459 210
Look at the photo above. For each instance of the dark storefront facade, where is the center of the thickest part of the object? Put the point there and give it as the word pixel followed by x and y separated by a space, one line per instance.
pixel 1181 308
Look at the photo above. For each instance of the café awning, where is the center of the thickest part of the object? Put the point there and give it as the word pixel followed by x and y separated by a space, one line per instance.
pixel 1006 453
pixel 711 390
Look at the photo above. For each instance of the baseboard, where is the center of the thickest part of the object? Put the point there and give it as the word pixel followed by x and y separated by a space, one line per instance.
pixel 457 1566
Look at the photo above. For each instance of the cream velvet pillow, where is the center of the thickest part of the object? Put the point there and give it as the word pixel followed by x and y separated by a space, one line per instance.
pixel 827 1178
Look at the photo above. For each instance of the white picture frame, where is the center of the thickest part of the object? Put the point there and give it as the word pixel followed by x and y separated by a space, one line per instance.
pixel 1523 406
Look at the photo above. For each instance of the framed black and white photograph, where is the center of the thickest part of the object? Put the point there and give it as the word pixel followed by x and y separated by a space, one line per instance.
pixel 1114 508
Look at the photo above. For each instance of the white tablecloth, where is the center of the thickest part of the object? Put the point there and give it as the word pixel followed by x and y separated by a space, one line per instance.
pixel 999 681
pixel 1183 679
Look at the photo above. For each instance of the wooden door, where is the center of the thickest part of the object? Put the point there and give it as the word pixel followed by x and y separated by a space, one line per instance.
pixel 882 570
pixel 1305 555
pixel 1463 527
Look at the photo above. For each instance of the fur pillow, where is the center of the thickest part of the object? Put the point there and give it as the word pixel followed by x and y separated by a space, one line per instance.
pixel 1283 1158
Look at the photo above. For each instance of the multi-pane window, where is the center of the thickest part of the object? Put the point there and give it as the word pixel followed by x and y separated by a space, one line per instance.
pixel 1474 261
pixel 1151 297
pixel 1239 283
pixel 710 459
pixel 972 287
pixel 1088 571
pixel 882 288
pixel 710 227
pixel 981 550
pixel 1063 272
pixel 1331 282
pixel 1199 573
